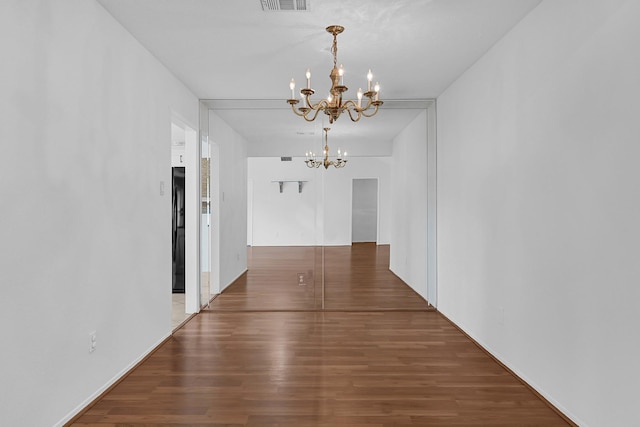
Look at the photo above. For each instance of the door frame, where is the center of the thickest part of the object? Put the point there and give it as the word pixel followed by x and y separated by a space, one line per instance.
pixel 192 215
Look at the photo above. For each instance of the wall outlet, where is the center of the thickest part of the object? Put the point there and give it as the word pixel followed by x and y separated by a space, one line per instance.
pixel 92 342
pixel 301 279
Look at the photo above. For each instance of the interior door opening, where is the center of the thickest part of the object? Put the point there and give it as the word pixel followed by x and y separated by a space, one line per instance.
pixel 185 295
pixel 364 210
pixel 178 231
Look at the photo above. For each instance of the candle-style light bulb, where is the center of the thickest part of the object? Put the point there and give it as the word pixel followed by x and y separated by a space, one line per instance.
pixel 359 97
pixel 339 152
pixel 341 74
pixel 292 86
pixel 308 74
pixel 344 155
pixel 369 78
pixel 329 99
pixel 377 89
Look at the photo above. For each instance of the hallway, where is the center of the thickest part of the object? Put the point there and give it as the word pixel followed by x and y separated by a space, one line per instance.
pixel 258 358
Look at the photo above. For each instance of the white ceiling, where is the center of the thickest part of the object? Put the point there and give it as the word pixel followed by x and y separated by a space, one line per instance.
pixel 233 50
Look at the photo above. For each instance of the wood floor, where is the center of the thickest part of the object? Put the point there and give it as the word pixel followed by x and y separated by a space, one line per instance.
pixel 355 278
pixel 258 358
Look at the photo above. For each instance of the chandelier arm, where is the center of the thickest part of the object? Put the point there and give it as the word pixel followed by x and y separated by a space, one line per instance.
pixel 310 104
pixel 372 114
pixel 320 106
pixel 297 113
pixel 351 116
pixel 369 103
pixel 350 104
pixel 316 110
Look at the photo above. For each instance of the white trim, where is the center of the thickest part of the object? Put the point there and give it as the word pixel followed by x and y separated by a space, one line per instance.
pixel 432 211
pixel 233 280
pixel 192 221
pixel 78 409
pixel 519 373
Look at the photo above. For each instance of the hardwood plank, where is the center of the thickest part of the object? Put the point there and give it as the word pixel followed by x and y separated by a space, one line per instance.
pixel 383 366
pixel 355 278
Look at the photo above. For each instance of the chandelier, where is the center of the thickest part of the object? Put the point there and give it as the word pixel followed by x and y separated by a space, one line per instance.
pixel 333 105
pixel 339 162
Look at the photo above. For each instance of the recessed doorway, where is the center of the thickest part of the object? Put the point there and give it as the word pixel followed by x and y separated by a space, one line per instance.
pixel 177 230
pixel 364 210
pixel 185 222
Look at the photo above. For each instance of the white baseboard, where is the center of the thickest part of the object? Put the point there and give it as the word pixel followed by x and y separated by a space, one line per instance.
pixel 236 278
pixel 109 383
pixel 499 357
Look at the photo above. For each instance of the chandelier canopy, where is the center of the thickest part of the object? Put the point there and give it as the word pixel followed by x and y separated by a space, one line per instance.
pixel 339 162
pixel 333 105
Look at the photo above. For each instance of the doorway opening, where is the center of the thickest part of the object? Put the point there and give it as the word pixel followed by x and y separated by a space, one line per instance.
pixel 185 222
pixel 364 210
pixel 177 230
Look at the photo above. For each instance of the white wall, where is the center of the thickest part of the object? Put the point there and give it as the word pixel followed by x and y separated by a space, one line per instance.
pixel 538 202
pixel 288 218
pixel 229 202
pixel 408 256
pixel 85 241
pixel 321 214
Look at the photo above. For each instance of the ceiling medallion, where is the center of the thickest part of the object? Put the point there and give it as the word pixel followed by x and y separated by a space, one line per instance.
pixel 333 105
pixel 339 162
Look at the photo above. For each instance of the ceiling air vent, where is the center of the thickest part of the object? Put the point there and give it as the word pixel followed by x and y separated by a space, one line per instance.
pixel 278 5
pixel 285 159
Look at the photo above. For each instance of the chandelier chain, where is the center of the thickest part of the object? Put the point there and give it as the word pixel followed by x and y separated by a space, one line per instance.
pixel 334 50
